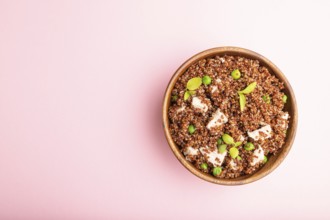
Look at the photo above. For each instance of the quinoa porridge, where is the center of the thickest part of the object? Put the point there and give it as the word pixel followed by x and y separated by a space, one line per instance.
pixel 227 115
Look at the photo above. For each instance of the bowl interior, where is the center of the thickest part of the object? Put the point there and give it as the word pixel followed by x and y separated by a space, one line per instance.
pixel 290 106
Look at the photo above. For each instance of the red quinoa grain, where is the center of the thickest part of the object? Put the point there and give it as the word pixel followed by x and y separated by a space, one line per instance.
pixel 222 94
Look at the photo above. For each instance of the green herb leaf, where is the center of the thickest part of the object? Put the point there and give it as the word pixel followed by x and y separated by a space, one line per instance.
pixel 237 144
pixel 194 83
pixel 249 146
pixel 222 148
pixel 192 92
pixel 233 152
pixel 242 101
pixel 186 95
pixel 219 141
pixel 249 88
pixel 228 139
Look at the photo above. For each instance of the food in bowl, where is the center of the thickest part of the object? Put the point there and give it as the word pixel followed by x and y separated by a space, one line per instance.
pixel 227 115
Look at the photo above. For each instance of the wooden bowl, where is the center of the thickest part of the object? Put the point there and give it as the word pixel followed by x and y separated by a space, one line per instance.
pixel 291 107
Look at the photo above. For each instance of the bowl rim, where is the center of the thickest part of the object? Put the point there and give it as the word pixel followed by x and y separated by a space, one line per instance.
pixel 230 50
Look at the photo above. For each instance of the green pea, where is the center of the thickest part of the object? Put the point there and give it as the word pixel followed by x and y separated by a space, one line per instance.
pixel 219 141
pixel 174 98
pixel 228 139
pixel 265 159
pixel 204 166
pixel 233 152
pixel 194 83
pixel 217 171
pixel 206 80
pixel 236 74
pixel 222 148
pixel 266 98
pixel 284 98
pixel 249 146
pixel 191 129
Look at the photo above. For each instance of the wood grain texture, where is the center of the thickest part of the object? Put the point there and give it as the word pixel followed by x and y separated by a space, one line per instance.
pixel 291 107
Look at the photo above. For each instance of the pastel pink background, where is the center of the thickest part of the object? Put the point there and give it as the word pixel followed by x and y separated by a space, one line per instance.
pixel 81 89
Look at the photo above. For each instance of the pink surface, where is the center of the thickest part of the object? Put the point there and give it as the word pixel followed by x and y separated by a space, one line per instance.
pixel 81 89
